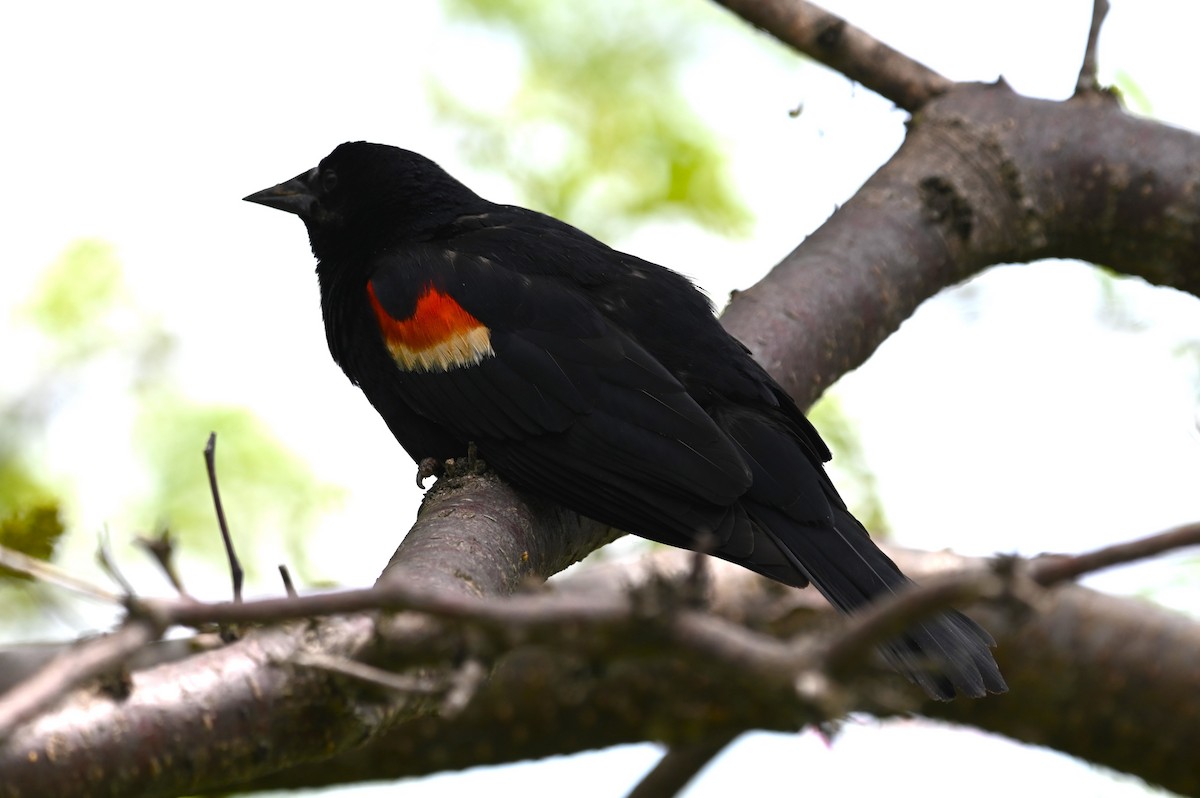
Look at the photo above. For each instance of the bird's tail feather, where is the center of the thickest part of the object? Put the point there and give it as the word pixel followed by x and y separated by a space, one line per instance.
pixel 945 654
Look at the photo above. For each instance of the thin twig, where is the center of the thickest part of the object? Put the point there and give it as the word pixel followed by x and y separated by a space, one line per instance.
pixel 288 586
pixel 1050 570
pixel 399 682
pixel 109 565
pixel 525 610
pixel 53 575
pixel 540 610
pixel 832 41
pixel 235 567
pixel 162 549
pixel 1087 73
pixel 678 767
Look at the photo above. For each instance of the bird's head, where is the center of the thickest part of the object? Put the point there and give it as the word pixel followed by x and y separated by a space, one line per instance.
pixel 369 196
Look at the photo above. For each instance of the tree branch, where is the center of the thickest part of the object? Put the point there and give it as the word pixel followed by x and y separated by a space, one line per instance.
pixel 678 767
pixel 1053 569
pixel 235 567
pixel 648 640
pixel 97 657
pixel 1110 680
pixel 985 176
pixel 832 41
pixel 551 701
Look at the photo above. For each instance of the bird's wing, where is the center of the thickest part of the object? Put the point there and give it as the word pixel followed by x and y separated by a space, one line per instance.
pixel 557 398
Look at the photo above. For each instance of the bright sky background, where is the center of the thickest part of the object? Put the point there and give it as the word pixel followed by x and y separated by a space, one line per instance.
pixel 1005 416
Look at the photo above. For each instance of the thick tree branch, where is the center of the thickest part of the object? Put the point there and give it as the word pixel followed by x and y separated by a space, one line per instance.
pixel 1111 680
pixel 648 642
pixel 90 659
pixel 1065 653
pixel 985 176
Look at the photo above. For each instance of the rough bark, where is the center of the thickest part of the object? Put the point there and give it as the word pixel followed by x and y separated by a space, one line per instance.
pixel 985 176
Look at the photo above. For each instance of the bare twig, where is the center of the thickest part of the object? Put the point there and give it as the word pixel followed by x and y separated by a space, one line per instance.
pixel 162 549
pixel 1050 570
pixel 678 767
pixel 109 565
pixel 549 609
pixel 526 610
pixel 399 682
pixel 53 575
pixel 1087 73
pixel 288 586
pixel 839 45
pixel 235 567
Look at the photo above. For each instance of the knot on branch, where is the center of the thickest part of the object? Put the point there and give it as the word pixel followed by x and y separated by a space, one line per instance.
pixel 946 207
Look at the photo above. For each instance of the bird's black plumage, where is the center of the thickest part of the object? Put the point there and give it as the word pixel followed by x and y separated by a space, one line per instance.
pixel 592 377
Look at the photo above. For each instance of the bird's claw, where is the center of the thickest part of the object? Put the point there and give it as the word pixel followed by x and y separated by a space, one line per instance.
pixel 428 467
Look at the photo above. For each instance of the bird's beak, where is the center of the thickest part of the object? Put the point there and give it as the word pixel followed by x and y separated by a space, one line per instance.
pixel 294 196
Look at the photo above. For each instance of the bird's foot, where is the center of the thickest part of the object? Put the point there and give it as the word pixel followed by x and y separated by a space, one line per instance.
pixel 428 467
pixel 464 466
pixel 475 463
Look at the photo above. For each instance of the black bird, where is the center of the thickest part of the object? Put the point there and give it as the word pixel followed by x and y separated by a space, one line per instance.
pixel 591 377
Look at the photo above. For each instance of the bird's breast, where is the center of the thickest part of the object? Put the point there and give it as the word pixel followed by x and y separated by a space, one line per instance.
pixel 439 335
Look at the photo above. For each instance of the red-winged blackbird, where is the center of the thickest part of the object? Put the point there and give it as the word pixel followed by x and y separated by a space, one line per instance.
pixel 591 377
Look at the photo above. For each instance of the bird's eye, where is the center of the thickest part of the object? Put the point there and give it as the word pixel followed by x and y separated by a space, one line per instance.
pixel 328 180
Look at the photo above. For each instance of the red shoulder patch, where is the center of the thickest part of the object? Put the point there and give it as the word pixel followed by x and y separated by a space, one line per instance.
pixel 439 335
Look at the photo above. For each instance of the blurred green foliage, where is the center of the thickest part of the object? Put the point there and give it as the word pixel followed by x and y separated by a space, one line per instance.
pixel 1132 94
pixel 265 489
pixel 599 131
pixel 78 294
pixel 85 325
pixel 34 531
pixel 849 468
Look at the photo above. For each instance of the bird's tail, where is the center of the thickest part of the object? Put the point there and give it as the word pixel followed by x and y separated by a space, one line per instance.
pixel 945 654
pixel 796 529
